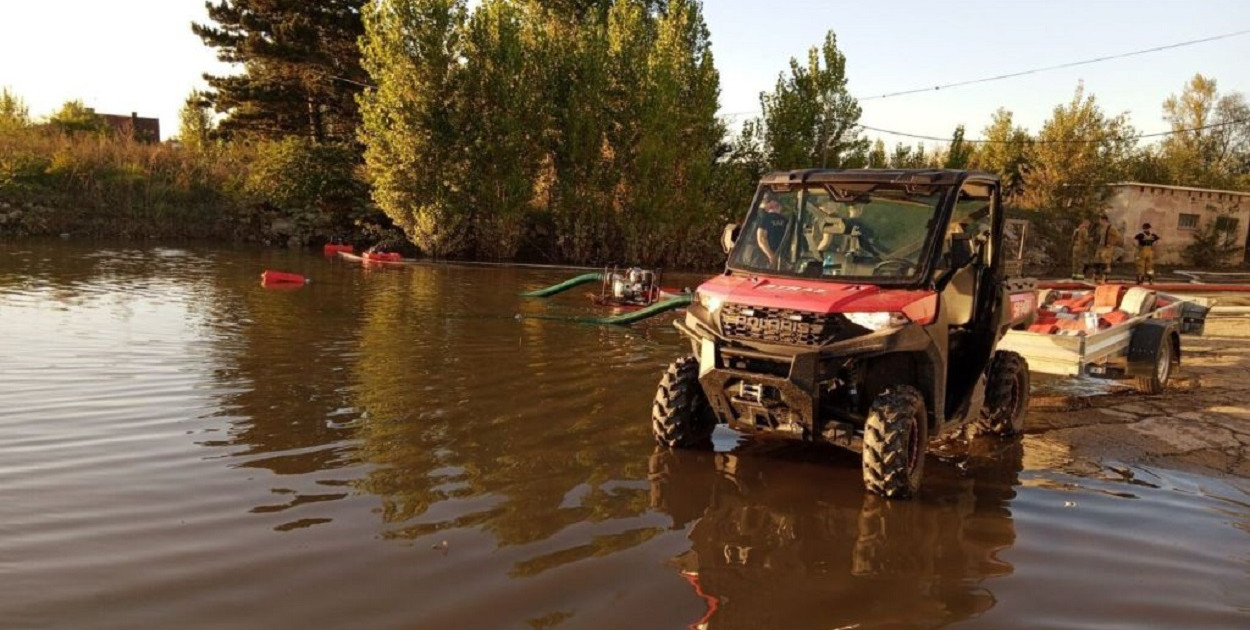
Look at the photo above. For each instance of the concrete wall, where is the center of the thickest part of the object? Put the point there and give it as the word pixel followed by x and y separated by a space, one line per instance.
pixel 1165 207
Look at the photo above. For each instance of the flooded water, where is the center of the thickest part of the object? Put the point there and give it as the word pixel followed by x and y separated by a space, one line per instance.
pixel 396 450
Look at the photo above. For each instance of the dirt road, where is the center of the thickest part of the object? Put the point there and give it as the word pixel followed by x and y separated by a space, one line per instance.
pixel 1200 424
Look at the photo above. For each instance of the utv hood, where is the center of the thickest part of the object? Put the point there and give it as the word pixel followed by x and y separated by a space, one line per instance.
pixel 820 296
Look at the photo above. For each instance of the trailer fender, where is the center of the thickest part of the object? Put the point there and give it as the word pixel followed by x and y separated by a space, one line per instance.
pixel 1146 343
pixel 1193 318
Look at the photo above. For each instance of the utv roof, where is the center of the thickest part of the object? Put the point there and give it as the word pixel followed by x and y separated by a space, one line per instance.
pixel 900 176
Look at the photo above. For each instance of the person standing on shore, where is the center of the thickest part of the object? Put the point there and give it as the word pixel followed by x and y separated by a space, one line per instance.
pixel 1146 254
pixel 1106 239
pixel 1080 249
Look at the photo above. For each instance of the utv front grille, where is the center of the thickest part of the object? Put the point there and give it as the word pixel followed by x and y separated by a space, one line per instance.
pixel 784 326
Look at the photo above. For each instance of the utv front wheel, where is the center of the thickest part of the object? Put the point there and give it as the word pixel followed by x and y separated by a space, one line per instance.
pixel 895 437
pixel 681 415
pixel 1006 395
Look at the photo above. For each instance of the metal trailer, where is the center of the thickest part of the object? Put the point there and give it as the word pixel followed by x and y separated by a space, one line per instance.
pixel 1145 348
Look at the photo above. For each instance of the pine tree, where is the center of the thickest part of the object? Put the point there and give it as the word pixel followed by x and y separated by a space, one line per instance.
pixel 300 67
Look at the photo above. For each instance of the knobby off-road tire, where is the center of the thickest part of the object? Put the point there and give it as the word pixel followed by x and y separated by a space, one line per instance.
pixel 1154 384
pixel 1006 395
pixel 896 435
pixel 681 416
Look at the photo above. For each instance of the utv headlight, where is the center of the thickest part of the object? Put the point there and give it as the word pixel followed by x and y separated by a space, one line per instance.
pixel 710 302
pixel 877 321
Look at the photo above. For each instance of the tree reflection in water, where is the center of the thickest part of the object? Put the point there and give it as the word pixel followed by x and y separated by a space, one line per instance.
pixel 784 541
pixel 479 421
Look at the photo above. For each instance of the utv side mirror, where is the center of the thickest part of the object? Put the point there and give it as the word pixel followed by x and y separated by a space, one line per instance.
pixel 728 236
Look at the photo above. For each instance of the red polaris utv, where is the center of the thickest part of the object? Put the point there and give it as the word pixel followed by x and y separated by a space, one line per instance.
pixel 862 308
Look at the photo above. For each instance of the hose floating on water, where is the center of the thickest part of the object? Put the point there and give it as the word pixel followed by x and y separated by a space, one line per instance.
pixel 565 286
pixel 622 319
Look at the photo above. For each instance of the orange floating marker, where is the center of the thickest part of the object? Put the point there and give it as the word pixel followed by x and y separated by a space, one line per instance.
pixel 271 278
pixel 332 249
pixel 382 256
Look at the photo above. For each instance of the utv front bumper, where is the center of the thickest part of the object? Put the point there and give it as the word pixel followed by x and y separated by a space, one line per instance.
pixel 805 392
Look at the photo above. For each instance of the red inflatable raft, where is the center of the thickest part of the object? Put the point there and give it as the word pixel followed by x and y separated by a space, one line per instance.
pixel 332 249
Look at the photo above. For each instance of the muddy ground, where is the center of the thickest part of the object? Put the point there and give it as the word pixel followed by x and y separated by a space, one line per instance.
pixel 1200 424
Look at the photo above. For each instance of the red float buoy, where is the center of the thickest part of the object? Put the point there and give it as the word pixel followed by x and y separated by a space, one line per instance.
pixel 270 278
pixel 382 257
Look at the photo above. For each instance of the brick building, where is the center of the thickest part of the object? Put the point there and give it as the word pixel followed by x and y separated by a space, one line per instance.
pixel 140 129
pixel 1176 214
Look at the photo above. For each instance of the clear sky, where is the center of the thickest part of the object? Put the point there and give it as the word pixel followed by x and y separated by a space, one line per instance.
pixel 140 55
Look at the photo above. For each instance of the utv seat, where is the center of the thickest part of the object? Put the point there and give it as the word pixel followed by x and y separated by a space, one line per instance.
pixel 959 296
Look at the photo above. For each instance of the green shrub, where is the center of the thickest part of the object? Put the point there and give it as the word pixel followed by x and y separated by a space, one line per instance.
pixel 1215 241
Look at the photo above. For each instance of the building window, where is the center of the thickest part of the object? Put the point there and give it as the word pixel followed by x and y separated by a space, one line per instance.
pixel 1187 222
pixel 1226 224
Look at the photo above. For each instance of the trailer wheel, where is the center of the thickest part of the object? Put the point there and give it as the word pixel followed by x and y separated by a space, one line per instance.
pixel 1006 395
pixel 681 415
pixel 1158 379
pixel 896 435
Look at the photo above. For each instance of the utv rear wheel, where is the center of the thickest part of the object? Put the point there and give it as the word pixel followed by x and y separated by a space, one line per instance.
pixel 1006 395
pixel 681 415
pixel 895 437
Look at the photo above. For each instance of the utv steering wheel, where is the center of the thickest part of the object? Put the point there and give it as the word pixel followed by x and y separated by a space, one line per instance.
pixel 894 267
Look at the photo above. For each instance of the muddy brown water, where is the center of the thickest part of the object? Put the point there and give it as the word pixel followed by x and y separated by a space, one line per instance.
pixel 394 449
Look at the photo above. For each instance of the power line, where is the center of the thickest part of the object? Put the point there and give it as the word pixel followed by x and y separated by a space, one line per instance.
pixel 1072 141
pixel 1061 66
pixel 1021 73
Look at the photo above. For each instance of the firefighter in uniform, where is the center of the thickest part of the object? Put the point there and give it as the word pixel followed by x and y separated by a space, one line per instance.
pixel 1081 242
pixel 1146 254
pixel 1106 239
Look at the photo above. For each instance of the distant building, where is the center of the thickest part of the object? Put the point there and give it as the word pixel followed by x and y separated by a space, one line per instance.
pixel 138 129
pixel 1176 214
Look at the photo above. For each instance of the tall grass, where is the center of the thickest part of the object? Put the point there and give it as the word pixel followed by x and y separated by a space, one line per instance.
pixel 107 186
pixel 99 185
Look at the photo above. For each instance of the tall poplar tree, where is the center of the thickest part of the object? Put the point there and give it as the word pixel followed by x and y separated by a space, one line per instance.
pixel 498 114
pixel 299 63
pixel 14 114
pixel 1210 143
pixel 195 121
pixel 1078 152
pixel 411 51
pixel 1006 151
pixel 810 118
pixel 959 154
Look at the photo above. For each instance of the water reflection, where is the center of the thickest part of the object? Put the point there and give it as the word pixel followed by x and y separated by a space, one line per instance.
pixel 474 419
pixel 182 444
pixel 786 541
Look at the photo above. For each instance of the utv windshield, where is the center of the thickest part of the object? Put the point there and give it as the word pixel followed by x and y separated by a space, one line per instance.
pixel 859 230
